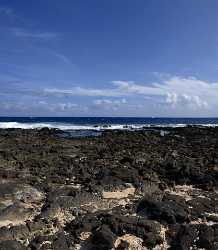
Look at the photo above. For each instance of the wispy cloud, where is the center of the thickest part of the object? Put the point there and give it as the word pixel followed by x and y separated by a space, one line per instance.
pixel 59 107
pixel 6 11
pixel 63 58
pixel 16 88
pixel 175 92
pixel 79 91
pixel 41 107
pixel 18 32
pixel 109 104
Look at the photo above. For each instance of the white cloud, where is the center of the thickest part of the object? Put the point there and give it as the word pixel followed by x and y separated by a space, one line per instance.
pixel 171 98
pixel 174 99
pixel 173 91
pixel 109 104
pixel 59 107
pixel 8 106
pixel 176 91
pixel 194 101
pixel 41 107
pixel 185 95
pixel 18 32
pixel 65 106
pixel 127 87
pixel 78 91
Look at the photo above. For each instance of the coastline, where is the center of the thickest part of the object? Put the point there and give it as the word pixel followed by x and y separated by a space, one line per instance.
pixel 120 189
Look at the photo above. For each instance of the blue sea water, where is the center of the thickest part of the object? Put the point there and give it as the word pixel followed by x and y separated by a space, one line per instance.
pixel 101 123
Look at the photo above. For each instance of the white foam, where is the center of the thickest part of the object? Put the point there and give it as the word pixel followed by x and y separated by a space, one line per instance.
pixel 62 126
pixel 24 125
pixel 70 126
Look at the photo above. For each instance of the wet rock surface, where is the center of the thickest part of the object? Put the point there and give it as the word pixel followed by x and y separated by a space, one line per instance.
pixel 122 190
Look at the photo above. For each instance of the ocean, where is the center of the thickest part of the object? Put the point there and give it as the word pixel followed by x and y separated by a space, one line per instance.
pixel 101 123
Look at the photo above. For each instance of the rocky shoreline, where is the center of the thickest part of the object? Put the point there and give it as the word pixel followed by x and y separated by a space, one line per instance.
pixel 121 190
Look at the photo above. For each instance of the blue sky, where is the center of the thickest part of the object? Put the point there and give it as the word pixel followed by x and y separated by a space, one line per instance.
pixel 109 58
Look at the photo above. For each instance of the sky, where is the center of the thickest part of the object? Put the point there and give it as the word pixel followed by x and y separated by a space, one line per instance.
pixel 109 58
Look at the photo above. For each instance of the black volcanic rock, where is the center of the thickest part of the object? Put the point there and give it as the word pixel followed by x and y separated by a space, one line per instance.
pixel 11 245
pixel 121 190
pixel 164 211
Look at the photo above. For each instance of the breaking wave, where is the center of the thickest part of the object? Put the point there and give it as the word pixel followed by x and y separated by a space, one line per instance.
pixel 70 126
